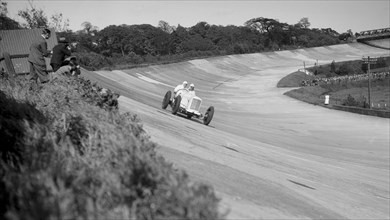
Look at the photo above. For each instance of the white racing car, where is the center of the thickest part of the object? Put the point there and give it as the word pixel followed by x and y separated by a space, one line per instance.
pixel 187 105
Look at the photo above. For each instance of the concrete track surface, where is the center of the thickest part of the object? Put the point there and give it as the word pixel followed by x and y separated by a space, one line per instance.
pixel 267 156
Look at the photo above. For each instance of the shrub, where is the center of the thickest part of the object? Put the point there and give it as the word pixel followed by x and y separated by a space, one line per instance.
pixel 351 101
pixel 92 61
pixel 345 69
pixel 333 67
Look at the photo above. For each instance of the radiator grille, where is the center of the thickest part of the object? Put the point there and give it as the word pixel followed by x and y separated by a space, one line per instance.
pixel 195 104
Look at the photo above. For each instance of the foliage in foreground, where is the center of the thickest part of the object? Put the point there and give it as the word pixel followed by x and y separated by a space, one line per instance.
pixel 64 157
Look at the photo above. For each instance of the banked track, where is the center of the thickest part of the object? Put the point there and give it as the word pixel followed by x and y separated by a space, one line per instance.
pixel 266 155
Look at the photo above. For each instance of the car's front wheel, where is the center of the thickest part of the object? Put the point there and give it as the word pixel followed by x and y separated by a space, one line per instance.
pixel 176 105
pixel 166 99
pixel 208 116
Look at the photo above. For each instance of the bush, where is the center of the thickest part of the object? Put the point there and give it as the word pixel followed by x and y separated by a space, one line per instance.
pixel 351 101
pixel 345 69
pixel 92 61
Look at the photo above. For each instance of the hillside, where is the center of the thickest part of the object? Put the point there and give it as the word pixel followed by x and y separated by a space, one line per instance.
pixel 67 153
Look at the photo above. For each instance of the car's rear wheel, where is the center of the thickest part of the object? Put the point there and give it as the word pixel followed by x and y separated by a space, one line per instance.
pixel 166 99
pixel 176 105
pixel 208 116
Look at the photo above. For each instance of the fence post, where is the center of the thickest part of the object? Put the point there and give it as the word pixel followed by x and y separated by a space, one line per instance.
pixel 369 81
pixel 9 65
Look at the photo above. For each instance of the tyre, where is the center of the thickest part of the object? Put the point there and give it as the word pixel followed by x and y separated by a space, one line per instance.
pixel 166 99
pixel 176 105
pixel 208 116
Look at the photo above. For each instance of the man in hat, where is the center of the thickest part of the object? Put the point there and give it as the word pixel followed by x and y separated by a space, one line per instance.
pixel 60 51
pixel 36 58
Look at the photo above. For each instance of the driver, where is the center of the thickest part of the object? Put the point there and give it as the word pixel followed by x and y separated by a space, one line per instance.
pixel 180 87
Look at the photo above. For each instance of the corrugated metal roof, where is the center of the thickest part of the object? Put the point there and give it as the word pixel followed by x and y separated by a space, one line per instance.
pixel 17 42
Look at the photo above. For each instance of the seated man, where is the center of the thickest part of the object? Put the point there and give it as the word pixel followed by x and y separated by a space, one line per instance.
pixel 187 95
pixel 179 87
pixel 60 51
pixel 191 92
pixel 68 70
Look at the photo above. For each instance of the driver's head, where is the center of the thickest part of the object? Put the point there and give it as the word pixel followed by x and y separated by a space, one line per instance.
pixel 185 84
pixel 192 87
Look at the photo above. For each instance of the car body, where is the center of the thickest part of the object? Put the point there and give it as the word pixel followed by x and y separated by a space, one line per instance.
pixel 189 105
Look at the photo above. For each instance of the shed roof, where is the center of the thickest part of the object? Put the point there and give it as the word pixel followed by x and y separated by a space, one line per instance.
pixel 17 42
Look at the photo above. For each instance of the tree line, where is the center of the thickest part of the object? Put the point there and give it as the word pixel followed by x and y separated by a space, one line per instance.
pixel 144 43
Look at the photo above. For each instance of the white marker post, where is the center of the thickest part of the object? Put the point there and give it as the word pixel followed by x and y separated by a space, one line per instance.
pixel 369 61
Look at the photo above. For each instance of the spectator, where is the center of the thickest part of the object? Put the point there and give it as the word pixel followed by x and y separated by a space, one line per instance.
pixel 60 52
pixel 36 58
pixel 72 61
pixel 68 70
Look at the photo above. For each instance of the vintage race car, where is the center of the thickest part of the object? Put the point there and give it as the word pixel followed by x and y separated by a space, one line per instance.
pixel 187 105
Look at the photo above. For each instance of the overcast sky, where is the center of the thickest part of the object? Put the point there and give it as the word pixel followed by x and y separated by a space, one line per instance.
pixel 358 15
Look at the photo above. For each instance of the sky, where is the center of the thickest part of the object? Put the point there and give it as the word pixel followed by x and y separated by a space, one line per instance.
pixel 340 15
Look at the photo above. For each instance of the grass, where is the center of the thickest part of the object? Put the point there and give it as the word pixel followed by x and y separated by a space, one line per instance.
pixel 339 93
pixel 348 93
pixel 67 153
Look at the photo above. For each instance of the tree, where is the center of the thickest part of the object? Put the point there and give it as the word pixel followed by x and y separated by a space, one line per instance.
pixel 34 17
pixel 88 28
pixel 304 23
pixel 6 23
pixel 345 69
pixel 329 31
pixel 164 26
pixel 58 23
pixel 177 38
pixel 263 25
pixel 333 67
pixel 275 32
pixel 3 9
pixel 113 39
pixel 200 28
pixel 344 36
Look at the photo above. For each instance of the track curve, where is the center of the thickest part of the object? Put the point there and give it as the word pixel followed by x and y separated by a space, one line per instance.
pixel 266 155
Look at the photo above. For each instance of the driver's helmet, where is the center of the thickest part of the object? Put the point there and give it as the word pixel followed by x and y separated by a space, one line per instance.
pixel 192 87
pixel 185 83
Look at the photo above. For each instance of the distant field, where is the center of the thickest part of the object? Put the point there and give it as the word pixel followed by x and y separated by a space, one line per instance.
pixel 338 93
pixel 337 81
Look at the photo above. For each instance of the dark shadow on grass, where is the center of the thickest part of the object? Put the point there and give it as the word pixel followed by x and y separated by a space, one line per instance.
pixel 13 115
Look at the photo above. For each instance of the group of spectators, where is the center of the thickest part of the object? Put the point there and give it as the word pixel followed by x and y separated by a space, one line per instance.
pixel 61 60
pixel 344 79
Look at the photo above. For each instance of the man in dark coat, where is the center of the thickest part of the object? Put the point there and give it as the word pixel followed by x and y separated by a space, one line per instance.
pixel 60 51
pixel 36 58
